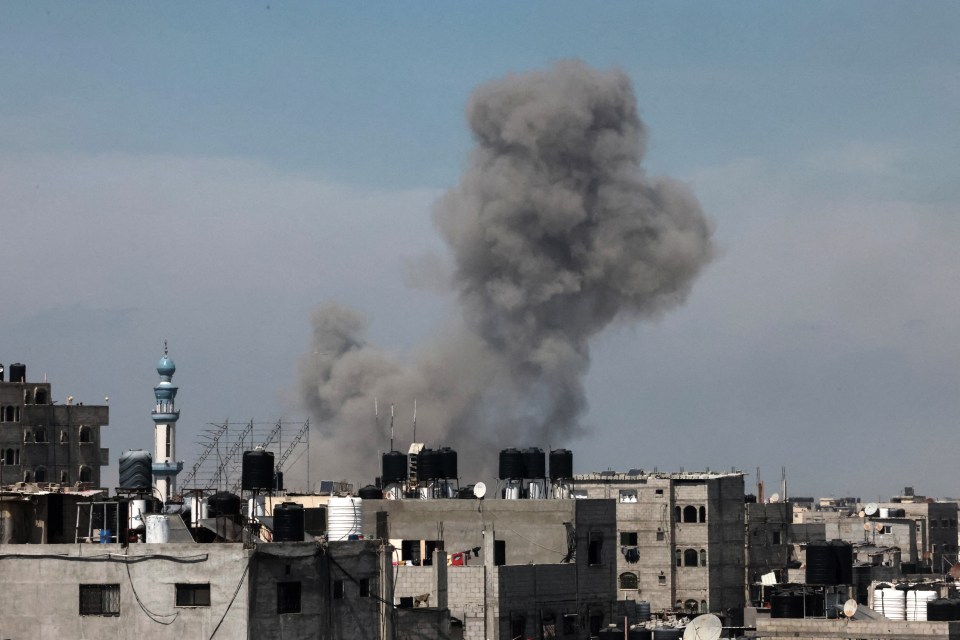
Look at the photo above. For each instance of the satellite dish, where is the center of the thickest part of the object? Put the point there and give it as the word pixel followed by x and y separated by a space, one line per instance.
pixel 862 513
pixel 850 608
pixel 879 527
pixel 871 509
pixel 705 627
pixel 479 490
pixel 775 498
pixel 867 526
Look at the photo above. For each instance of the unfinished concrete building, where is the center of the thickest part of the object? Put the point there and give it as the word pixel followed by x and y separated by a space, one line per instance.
pixel 44 442
pixel 680 537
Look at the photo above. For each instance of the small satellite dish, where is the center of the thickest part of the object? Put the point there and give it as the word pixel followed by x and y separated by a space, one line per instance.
pixel 850 608
pixel 871 509
pixel 479 490
pixel 775 498
pixel 867 526
pixel 705 627
pixel 879 527
pixel 862 513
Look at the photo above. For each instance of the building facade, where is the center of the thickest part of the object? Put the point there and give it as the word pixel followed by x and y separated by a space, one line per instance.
pixel 45 442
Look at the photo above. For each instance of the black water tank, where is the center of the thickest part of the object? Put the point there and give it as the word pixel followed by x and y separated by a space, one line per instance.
pixel 534 463
pixel 639 633
pixel 223 505
pixel 257 470
pixel 394 468
pixel 611 633
pixel 821 563
pixel 643 610
pixel 448 463
pixel 18 372
pixel 428 465
pixel 941 610
pixel 561 464
pixel 511 464
pixel 288 522
pixel 843 551
pixel 668 633
pixel 136 470
pixel 786 605
pixel 370 492
pixel 466 493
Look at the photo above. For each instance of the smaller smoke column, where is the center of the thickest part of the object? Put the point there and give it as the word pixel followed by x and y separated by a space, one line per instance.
pixel 555 233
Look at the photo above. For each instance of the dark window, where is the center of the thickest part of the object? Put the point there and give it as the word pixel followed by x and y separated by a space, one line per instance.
pixel 288 597
pixel 933 523
pixel 430 547
pixel 364 587
pixel 410 550
pixel 628 581
pixel 703 514
pixel 40 475
pixel 40 434
pixel 660 535
pixel 690 558
pixel 595 545
pixel 662 579
pixel 677 514
pixel 703 606
pixel 499 552
pixel 596 622
pixel 84 434
pixel 570 621
pixel 86 475
pixel 548 625
pixel 518 624
pixel 776 537
pixel 690 606
pixel 628 538
pixel 41 396
pixel 193 595
pixel 690 514
pixel 337 589
pixel 659 492
pixel 703 557
pixel 100 599
pixel 679 557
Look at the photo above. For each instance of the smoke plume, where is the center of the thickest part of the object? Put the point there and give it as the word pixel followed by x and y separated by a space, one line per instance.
pixel 554 232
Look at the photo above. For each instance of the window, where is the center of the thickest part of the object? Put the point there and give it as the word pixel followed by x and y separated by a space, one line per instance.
pixel 659 492
pixel 40 434
pixel 690 606
pixel 776 537
pixel 288 597
pixel 628 581
pixel 933 523
pixel 677 514
pixel 85 435
pixel 690 558
pixel 27 476
pixel 703 514
pixel 99 599
pixel 679 557
pixel 594 546
pixel 169 437
pixel 337 589
pixel 703 557
pixel 364 587
pixel 690 514
pixel 518 624
pixel 86 474
pixel 628 495
pixel 499 553
pixel 548 625
pixel 40 475
pixel 628 538
pixel 703 606
pixel 661 579
pixel 570 624
pixel 660 535
pixel 193 595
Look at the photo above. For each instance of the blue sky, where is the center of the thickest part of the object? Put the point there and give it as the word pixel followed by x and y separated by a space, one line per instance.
pixel 210 173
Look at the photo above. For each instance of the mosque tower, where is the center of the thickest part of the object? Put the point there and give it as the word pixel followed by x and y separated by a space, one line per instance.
pixel 165 416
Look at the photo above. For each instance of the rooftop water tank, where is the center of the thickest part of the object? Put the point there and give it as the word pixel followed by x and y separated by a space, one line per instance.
pixel 821 563
pixel 18 372
pixel 561 464
pixel 448 463
pixel 136 470
pixel 344 518
pixel 288 522
pixel 370 492
pixel 786 605
pixel 257 470
pixel 428 465
pixel 534 463
pixel 511 464
pixel 394 468
pixel 224 504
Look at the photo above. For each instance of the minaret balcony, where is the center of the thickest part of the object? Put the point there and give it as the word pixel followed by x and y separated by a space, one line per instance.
pixel 165 416
pixel 167 468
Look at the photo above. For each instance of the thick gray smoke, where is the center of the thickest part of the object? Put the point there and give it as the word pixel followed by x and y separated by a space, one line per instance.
pixel 555 233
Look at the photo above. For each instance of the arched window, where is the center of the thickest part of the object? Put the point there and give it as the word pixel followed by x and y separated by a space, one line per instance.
pixel 9 414
pixel 628 581
pixel 3 413
pixel 41 474
pixel 690 514
pixel 703 606
pixel 677 514
pixel 27 476
pixel 8 456
pixel 703 514
pixel 690 558
pixel 690 606
pixel 85 434
pixel 679 555
pixel 64 477
pixel 40 434
pixel 41 396
pixel 86 474
pixel 703 557
pixel 27 397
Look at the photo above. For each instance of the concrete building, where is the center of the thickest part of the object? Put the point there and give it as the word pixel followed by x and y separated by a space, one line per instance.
pixel 680 536
pixel 45 442
pixel 291 590
pixel 519 568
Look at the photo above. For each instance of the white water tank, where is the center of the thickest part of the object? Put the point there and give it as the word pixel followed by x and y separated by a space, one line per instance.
pixel 158 528
pixel 138 509
pixel 917 604
pixel 890 602
pixel 344 518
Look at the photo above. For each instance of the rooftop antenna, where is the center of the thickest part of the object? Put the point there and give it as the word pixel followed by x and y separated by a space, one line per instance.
pixel 164 346
pixel 414 419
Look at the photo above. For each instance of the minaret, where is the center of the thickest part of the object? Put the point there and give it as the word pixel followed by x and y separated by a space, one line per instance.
pixel 165 416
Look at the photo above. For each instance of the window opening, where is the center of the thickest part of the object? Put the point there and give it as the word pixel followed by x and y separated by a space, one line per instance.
pixel 628 581
pixel 628 538
pixel 99 599
pixel 193 595
pixel 690 514
pixel 703 514
pixel 337 589
pixel 690 558
pixel 288 597
pixel 594 547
